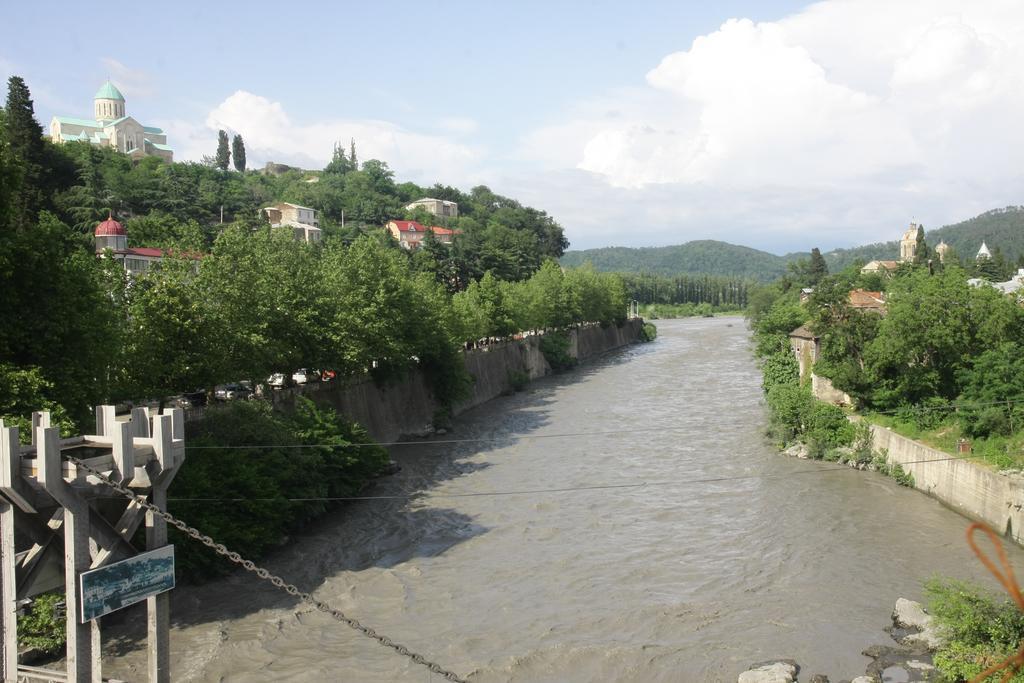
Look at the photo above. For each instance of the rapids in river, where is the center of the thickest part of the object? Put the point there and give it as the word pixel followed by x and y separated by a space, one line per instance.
pixel 626 521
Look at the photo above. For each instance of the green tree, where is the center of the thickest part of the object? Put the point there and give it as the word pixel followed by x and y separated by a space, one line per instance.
pixel 238 153
pixel 922 254
pixel 817 268
pixel 169 345
pixel 260 291
pixel 993 390
pixel 924 341
pixel 339 163
pixel 223 157
pixel 25 144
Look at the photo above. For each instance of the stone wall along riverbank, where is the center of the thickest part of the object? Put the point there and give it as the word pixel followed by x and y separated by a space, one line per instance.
pixel 969 488
pixel 408 407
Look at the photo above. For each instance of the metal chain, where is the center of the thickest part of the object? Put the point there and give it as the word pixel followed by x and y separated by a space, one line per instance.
pixel 277 581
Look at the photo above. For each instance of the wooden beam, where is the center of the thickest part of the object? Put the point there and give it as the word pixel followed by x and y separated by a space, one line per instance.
pixel 11 484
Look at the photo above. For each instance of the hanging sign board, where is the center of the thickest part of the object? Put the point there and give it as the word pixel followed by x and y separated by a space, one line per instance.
pixel 124 583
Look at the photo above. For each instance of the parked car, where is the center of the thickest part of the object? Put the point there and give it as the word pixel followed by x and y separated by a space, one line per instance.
pixel 191 399
pixel 303 375
pixel 231 392
pixel 327 375
pixel 276 381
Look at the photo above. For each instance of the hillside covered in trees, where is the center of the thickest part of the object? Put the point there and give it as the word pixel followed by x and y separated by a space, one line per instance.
pixel 702 257
pixel 1001 229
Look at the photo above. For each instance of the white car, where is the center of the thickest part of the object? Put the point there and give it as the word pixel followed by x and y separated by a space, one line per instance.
pixel 276 381
pixel 302 376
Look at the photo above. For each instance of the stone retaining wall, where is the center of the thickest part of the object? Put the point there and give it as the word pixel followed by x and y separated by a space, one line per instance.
pixel 408 407
pixel 971 489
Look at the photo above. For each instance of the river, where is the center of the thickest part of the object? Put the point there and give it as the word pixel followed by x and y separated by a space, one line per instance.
pixel 637 527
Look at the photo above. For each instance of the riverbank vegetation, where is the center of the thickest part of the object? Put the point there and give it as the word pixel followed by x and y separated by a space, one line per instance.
pixel 247 484
pixel 940 361
pixel 980 629
pixel 943 363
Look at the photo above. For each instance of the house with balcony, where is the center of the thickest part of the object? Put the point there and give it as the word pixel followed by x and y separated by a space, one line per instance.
pixel 442 208
pixel 301 219
pixel 410 234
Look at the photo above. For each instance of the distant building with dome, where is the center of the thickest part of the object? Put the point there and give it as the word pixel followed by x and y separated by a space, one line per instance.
pixel 908 243
pixel 111 240
pixel 112 127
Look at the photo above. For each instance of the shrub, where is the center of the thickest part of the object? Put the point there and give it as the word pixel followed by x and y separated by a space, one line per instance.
pixel 790 404
pixel 862 450
pixel 555 347
pixel 902 477
pixel 648 332
pixel 518 379
pixel 981 629
pixel 779 368
pixel 42 624
pixel 251 461
pixel 827 425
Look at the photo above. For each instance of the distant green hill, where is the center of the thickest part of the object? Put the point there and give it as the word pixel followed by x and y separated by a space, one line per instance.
pixel 699 257
pixel 1001 229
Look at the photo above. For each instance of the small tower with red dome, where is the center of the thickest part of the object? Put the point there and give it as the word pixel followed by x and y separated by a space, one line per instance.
pixel 110 235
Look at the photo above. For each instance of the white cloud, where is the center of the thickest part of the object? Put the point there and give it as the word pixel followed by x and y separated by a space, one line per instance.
pixel 271 135
pixel 847 117
pixel 459 125
pixel 133 83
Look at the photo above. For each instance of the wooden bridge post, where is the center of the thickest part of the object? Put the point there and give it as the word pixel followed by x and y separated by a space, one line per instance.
pixel 158 607
pixel 9 461
pixel 76 551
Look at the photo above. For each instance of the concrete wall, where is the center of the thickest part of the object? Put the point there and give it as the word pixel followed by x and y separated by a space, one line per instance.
pixel 823 390
pixel 969 488
pixel 408 407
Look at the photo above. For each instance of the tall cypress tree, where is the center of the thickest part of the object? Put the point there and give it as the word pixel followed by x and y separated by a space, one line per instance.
pixel 352 155
pixel 26 149
pixel 238 153
pixel 223 153
pixel 818 268
pixel 921 252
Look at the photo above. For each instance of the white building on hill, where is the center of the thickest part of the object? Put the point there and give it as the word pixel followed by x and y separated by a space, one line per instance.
pixel 301 219
pixel 112 127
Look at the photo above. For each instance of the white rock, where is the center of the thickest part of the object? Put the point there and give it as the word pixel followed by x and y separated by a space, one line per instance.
pixel 910 614
pixel 777 672
pixel 864 679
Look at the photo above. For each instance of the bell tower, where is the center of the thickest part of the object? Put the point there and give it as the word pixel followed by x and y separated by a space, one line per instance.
pixel 108 105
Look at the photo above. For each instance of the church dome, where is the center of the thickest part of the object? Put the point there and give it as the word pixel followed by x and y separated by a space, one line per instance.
pixel 109 92
pixel 109 228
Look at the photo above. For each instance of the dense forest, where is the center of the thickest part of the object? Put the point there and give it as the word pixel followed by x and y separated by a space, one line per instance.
pixel 704 257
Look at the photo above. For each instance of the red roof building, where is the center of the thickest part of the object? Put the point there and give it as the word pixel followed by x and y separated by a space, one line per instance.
pixel 112 239
pixel 863 300
pixel 411 233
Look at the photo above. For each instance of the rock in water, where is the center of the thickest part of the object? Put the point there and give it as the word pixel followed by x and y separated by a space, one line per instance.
pixel 778 671
pixel 910 614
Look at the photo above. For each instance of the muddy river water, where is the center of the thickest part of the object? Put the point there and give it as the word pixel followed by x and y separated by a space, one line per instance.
pixel 637 527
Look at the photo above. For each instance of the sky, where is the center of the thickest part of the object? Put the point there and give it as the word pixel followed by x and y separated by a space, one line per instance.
pixel 773 124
